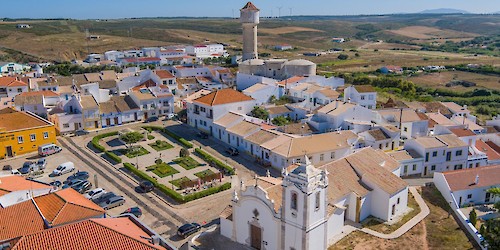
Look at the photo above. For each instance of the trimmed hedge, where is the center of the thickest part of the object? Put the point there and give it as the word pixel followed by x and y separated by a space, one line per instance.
pixel 181 140
pixel 171 193
pixel 95 140
pixel 207 157
pixel 113 156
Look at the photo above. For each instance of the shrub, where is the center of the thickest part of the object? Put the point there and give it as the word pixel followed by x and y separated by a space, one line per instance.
pixel 150 137
pixel 343 57
pixel 473 217
pixel 95 140
pixel 211 159
pixel 113 156
pixel 139 173
pixel 183 153
pixel 185 143
pixel 207 192
pixel 158 161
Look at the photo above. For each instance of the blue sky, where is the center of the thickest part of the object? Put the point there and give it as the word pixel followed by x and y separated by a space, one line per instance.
pixel 90 9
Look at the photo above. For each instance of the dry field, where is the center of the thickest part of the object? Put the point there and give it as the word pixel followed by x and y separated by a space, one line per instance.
pixel 439 79
pixel 287 30
pixel 424 33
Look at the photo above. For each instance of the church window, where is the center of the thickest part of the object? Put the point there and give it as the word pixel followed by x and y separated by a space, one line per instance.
pixel 317 200
pixel 293 204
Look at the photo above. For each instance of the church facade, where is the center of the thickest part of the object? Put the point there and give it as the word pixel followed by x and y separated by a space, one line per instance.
pixel 309 206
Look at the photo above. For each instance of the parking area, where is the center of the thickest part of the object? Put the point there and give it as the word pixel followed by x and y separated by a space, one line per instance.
pixel 97 181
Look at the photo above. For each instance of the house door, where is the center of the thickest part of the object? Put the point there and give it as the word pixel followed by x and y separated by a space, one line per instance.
pixel 9 151
pixel 487 199
pixel 145 115
pixel 460 201
pixel 392 146
pixel 251 149
pixel 77 126
pixel 393 209
pixel 96 124
pixel 116 120
pixel 255 236
pixel 211 132
pixel 228 139
pixel 425 171
pixel 135 117
pixel 220 134
pixel 346 213
pixel 108 122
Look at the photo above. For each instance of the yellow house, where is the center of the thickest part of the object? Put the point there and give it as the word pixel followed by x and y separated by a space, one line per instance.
pixel 23 132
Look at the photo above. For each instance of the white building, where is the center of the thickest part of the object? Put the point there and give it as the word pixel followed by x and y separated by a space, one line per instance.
pixel 203 111
pixel 11 86
pixel 412 124
pixel 309 207
pixel 262 92
pixel 118 110
pixel 113 55
pixel 206 51
pixel 364 95
pixel 410 162
pixel 279 69
pixel 468 186
pixel 339 115
pixel 13 68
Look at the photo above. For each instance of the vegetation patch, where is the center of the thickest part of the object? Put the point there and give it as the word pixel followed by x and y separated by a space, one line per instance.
pixel 134 152
pixel 160 145
pixel 95 140
pixel 151 137
pixel 187 162
pixel 204 173
pixel 163 170
pixel 113 156
pixel 178 182
pixel 179 139
pixel 214 162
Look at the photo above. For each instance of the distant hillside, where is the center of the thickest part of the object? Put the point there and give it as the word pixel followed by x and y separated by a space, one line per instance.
pixel 444 11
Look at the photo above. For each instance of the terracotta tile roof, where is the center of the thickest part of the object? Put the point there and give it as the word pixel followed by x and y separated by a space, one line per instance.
pixel 243 128
pixel 93 77
pixel 434 107
pixel 364 88
pixel 67 205
pixel 16 183
pixel 103 234
pixel 9 81
pixel 108 107
pixel 490 152
pixel 470 124
pixel 250 6
pixel 88 102
pixel 378 134
pixel 407 115
pixel 20 219
pixel 46 93
pixel 124 103
pixel 455 108
pixel 261 136
pixel 493 146
pixel 278 110
pixel 440 119
pixel 330 93
pixel 461 132
pixel 146 84
pixel 20 100
pixel 256 87
pixel 164 74
pixel 465 179
pixel 186 80
pixel 17 120
pixel 451 140
pixel 141 59
pixel 429 142
pixel 298 129
pixel 223 96
pixel 403 155
pixel 293 79
pixel 342 180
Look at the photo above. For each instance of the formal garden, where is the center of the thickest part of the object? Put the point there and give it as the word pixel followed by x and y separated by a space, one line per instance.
pixel 167 160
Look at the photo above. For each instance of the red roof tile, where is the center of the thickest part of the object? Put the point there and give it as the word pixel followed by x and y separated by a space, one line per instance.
pixel 223 96
pixel 249 6
pixel 461 132
pixel 164 74
pixel 46 93
pixel 464 179
pixel 20 219
pixel 490 152
pixel 9 81
pixel 17 183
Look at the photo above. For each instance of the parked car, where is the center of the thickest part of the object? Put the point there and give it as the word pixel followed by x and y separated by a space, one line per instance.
pixel 188 229
pixel 147 186
pixel 104 197
pixel 64 168
pixel 56 183
pixel 95 193
pixel 72 183
pixel 15 172
pixel 48 149
pixel 7 167
pixel 134 210
pixel 202 135
pixel 151 119
pixel 82 187
pixel 232 151
pixel 80 175
pixel 41 163
pixel 112 202
pixel 27 167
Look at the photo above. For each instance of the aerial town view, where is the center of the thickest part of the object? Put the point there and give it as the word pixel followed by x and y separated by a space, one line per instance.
pixel 269 125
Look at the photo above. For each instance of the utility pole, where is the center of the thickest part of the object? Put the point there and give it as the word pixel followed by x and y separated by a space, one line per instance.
pixel 291 10
pixel 279 11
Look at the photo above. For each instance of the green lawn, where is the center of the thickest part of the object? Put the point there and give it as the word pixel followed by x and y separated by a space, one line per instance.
pixel 135 152
pixel 187 162
pixel 163 170
pixel 204 173
pixel 151 137
pixel 160 145
pixel 177 182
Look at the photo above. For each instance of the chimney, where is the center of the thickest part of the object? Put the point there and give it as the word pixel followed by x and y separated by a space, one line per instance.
pixel 476 181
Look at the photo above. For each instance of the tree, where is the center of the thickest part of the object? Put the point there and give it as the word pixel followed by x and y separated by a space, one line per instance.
pixel 280 121
pixel 260 113
pixel 131 138
pixel 343 57
pixel 473 217
pixel 183 153
pixel 492 233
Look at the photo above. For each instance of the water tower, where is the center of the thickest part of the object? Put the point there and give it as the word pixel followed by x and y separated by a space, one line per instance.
pixel 249 17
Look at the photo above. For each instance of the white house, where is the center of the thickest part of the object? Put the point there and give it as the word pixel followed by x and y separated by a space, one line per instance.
pixel 468 186
pixel 410 162
pixel 412 124
pixel 309 207
pixel 283 47
pixel 152 102
pixel 206 51
pixel 342 115
pixel 118 110
pixel 13 68
pixel 262 92
pixel 364 95
pixel 441 153
pixel 203 111
pixel 113 55
pixel 11 86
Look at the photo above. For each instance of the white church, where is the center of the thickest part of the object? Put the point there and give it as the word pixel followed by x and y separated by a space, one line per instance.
pixel 309 206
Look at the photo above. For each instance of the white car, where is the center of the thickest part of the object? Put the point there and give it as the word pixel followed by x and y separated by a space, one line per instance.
pixel 64 168
pixel 94 194
pixel 15 172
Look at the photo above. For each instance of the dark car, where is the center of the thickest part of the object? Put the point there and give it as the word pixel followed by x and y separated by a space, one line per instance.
pixel 27 167
pixel 147 186
pixel 82 187
pixel 7 167
pixel 152 119
pixel 72 183
pixel 80 175
pixel 188 229
pixel 202 135
pixel 232 151
pixel 103 198
pixel 112 202
pixel 56 183
pixel 133 210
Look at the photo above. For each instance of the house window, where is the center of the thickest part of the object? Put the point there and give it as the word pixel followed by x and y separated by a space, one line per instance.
pixel 433 167
pixel 405 169
pixel 458 153
pixel 321 157
pixel 20 139
pixel 19 90
pixel 469 196
pixel 370 97
pixel 32 137
pixel 362 97
pixel 398 200
pixel 414 167
pixel 65 125
pixel 434 154
pixel 427 157
pixel 293 204
pixel 405 129
pixel 45 135
pixel 22 108
pixel 317 200
pixel 332 155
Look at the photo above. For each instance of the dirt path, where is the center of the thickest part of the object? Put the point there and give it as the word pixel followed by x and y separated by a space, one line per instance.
pixel 425 244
